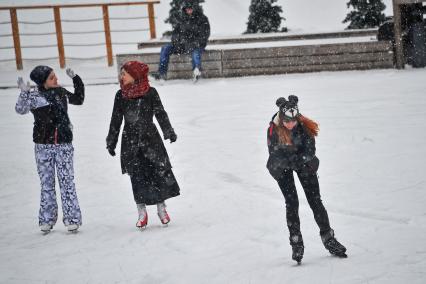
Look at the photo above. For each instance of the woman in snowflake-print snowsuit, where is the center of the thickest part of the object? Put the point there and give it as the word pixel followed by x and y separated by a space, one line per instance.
pixel 291 145
pixel 143 155
pixel 52 135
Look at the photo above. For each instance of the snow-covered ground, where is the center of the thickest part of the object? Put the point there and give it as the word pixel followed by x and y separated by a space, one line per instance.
pixel 228 226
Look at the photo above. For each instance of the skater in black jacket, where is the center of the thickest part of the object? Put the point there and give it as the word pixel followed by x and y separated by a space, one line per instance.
pixel 52 136
pixel 291 145
pixel 143 155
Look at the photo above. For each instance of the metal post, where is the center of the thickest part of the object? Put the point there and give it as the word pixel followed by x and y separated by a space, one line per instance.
pixel 59 36
pixel 16 40
pixel 107 35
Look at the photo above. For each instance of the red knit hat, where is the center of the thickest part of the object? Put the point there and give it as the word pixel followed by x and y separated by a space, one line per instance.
pixel 138 70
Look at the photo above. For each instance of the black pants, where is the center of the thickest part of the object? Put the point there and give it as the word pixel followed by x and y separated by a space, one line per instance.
pixel 309 181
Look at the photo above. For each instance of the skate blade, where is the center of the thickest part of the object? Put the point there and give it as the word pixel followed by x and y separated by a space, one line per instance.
pixel 339 254
pixel 141 228
pixel 195 79
pixel 298 260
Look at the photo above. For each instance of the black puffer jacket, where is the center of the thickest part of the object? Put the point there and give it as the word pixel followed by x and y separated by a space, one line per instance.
pixel 300 155
pixel 192 32
pixel 140 135
pixel 51 122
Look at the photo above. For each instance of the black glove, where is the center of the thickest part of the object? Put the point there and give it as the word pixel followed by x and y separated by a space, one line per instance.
pixel 313 165
pixel 111 151
pixel 170 134
pixel 173 137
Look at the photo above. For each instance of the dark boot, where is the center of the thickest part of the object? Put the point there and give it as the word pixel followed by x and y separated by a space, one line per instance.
pixel 158 76
pixel 332 245
pixel 296 243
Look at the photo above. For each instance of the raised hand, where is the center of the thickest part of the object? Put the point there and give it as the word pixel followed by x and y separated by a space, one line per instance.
pixel 25 88
pixel 70 73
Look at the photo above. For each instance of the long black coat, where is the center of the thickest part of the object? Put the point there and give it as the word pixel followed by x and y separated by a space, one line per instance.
pixel 192 32
pixel 290 157
pixel 140 135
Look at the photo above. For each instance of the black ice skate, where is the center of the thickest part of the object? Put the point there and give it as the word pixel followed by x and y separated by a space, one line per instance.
pixel 159 77
pixel 332 245
pixel 296 243
pixel 298 251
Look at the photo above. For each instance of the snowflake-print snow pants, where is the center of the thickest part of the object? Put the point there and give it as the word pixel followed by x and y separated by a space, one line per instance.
pixel 59 157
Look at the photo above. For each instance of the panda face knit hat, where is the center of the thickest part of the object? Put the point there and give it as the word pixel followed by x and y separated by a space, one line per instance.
pixel 40 73
pixel 288 108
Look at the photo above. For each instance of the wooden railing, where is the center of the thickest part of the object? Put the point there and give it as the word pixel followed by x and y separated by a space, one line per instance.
pixel 58 26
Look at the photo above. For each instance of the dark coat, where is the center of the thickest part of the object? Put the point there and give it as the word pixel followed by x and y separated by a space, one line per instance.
pixel 301 154
pixel 190 33
pixel 140 135
pixel 51 122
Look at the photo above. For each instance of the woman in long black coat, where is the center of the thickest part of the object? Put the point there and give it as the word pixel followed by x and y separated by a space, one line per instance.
pixel 143 155
pixel 291 145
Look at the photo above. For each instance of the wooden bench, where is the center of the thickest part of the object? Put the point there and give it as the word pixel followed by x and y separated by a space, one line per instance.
pixel 308 58
pixel 269 37
pixel 276 60
pixel 180 67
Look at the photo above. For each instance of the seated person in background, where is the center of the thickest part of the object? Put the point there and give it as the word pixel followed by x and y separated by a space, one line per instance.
pixel 189 36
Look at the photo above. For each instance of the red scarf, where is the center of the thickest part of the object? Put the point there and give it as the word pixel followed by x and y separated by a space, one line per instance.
pixel 139 72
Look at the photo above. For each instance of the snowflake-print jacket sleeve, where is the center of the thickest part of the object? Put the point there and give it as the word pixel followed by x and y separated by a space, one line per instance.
pixel 28 101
